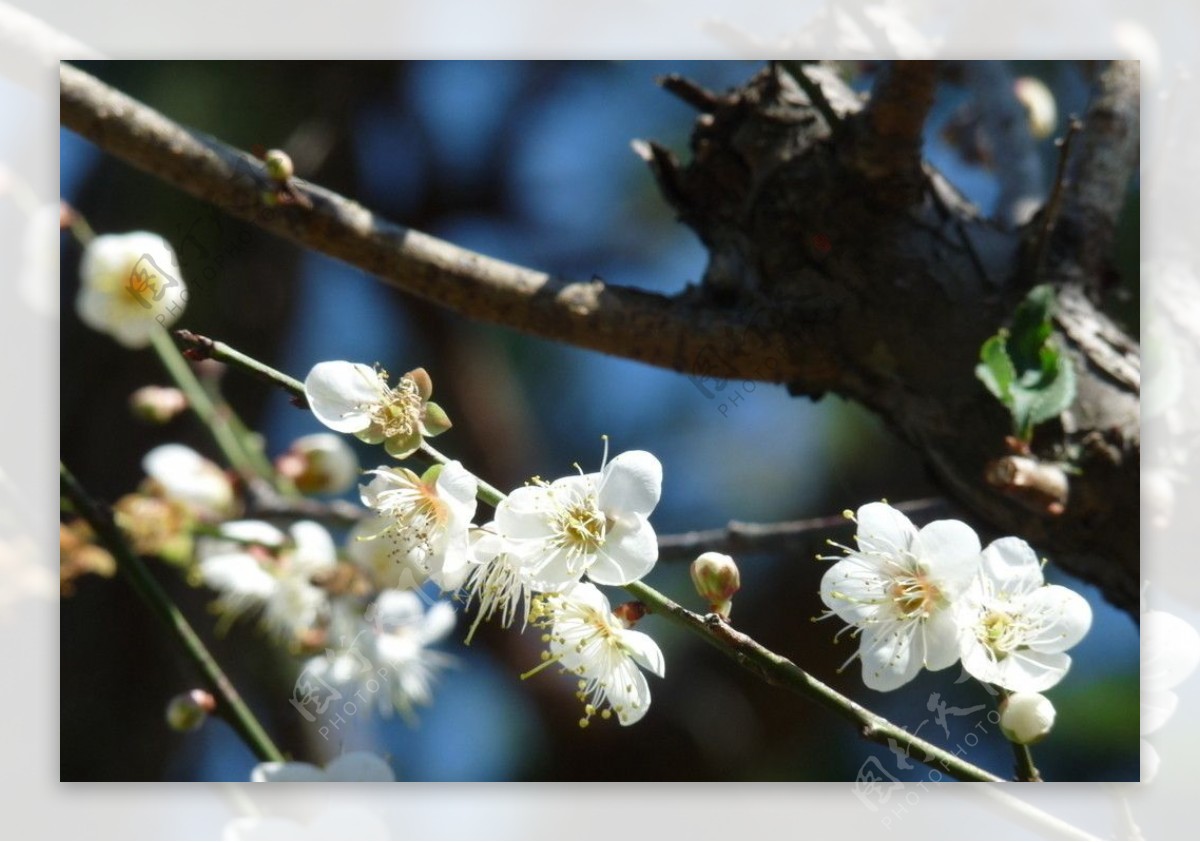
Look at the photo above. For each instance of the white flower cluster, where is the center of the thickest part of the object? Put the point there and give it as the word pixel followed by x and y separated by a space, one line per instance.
pixel 531 560
pixel 932 597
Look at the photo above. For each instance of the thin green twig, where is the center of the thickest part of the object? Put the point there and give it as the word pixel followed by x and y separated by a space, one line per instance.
pixel 781 672
pixel 230 704
pixel 250 462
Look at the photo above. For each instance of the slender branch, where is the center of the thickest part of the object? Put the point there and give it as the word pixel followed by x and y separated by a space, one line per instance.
pixel 888 131
pixel 779 671
pixel 740 536
pixel 156 599
pixel 677 332
pixel 1053 206
pixel 249 462
pixel 203 348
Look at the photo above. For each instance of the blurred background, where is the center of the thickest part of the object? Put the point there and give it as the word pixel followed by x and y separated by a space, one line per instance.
pixel 529 162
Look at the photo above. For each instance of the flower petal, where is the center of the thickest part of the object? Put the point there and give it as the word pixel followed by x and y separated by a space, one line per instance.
pixel 238 574
pixel 950 552
pixel 853 588
pixel 883 529
pixel 1013 566
pixel 644 650
pixel 632 482
pixel 940 632
pixel 338 393
pixel 395 610
pixel 629 553
pixel 1063 618
pixel 315 550
pixel 458 486
pixel 892 654
pixel 438 622
pixel 628 693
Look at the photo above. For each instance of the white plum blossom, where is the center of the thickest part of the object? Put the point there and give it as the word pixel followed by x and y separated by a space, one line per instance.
pixel 320 463
pixel 368 548
pixel 1015 629
pixel 188 478
pixel 897 592
pixel 354 398
pixel 591 523
pixel 498 579
pixel 389 654
pixel 354 766
pixel 255 567
pixel 587 639
pixel 425 520
pixel 130 284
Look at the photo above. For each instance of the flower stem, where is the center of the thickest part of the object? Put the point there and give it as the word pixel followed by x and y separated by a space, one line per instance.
pixel 779 671
pixel 248 460
pixel 230 704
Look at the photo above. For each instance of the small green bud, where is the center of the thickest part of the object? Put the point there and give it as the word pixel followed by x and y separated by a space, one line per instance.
pixel 279 165
pixel 1026 718
pixel 187 711
pixel 717 579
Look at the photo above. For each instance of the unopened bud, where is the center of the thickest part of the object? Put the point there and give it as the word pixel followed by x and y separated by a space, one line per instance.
pixel 279 165
pixel 630 612
pixel 320 464
pixel 187 711
pixel 717 579
pixel 157 404
pixel 1026 718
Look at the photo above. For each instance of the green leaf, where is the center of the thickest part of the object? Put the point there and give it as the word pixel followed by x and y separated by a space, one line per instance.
pixel 1024 368
pixel 1031 327
pixel 996 369
pixel 1054 398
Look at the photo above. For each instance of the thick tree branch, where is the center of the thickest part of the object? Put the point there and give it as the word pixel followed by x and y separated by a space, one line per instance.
pixel 886 140
pixel 1104 159
pixel 680 333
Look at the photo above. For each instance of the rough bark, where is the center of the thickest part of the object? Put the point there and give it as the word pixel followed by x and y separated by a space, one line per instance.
pixel 845 266
pixel 903 295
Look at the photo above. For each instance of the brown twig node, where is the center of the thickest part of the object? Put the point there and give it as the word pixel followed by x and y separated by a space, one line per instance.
pixel 1040 486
